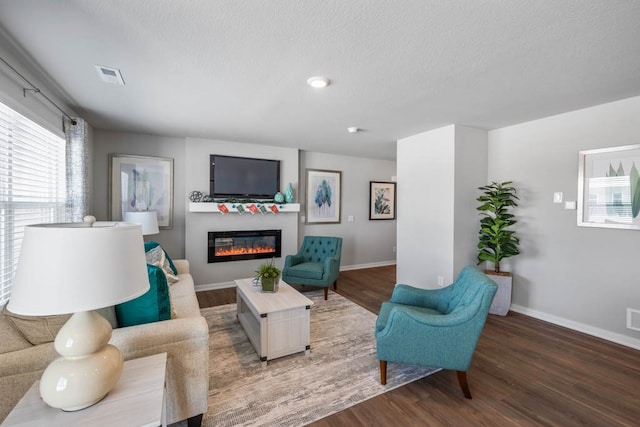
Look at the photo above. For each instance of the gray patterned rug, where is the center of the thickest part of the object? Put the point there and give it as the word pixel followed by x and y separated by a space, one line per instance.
pixel 341 370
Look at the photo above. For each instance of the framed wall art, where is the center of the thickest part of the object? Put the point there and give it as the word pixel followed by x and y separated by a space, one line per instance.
pixel 140 183
pixel 609 187
pixel 324 190
pixel 382 200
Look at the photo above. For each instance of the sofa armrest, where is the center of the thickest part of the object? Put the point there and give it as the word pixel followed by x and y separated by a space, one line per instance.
pixel 182 265
pixel 186 342
pixel 19 370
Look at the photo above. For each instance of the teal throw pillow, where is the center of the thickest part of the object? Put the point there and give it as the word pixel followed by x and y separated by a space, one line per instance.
pixel 151 244
pixel 153 306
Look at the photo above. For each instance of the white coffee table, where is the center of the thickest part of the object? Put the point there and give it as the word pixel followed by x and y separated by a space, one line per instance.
pixel 277 324
pixel 138 399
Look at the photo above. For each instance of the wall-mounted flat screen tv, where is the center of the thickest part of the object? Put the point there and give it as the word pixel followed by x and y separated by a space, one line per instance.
pixel 243 177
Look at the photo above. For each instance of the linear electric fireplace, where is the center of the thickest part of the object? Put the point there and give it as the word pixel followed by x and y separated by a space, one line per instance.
pixel 246 244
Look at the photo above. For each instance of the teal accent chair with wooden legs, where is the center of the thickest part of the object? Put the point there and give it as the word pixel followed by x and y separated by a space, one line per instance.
pixel 435 327
pixel 317 263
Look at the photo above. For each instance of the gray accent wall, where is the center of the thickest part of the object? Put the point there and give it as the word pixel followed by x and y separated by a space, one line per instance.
pixel 582 277
pixel 366 243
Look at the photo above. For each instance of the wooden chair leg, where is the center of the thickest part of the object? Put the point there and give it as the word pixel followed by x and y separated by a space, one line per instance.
pixel 464 385
pixel 326 293
pixel 383 372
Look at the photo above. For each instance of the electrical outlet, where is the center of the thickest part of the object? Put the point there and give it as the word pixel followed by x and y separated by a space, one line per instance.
pixel 440 281
pixel 633 319
pixel 394 249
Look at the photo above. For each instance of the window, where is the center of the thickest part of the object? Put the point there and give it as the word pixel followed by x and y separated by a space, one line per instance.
pixel 32 185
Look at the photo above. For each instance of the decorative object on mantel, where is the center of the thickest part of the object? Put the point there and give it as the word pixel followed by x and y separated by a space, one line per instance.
pixel 195 196
pixel 269 276
pixel 496 240
pixel 78 268
pixel 288 193
pixel 253 208
pixel 274 209
pixel 278 197
pixel 223 208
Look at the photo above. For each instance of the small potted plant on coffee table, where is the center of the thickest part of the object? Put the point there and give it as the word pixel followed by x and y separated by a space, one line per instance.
pixel 269 276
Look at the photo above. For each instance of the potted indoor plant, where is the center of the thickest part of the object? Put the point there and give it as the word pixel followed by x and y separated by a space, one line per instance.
pixel 269 276
pixel 496 240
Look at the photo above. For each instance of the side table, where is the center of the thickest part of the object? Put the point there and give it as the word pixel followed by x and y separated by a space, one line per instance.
pixel 137 400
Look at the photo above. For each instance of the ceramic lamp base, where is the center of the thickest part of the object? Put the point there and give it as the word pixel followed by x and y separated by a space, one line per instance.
pixel 89 368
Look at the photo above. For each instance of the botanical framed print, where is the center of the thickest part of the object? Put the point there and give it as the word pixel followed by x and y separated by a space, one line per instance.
pixel 140 183
pixel 324 190
pixel 382 200
pixel 609 187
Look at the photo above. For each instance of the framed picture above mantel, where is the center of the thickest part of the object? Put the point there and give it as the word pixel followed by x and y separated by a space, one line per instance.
pixel 609 187
pixel 141 183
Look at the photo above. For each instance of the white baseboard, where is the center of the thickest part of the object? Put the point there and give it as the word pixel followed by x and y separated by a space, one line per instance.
pixel 580 327
pixel 368 265
pixel 225 285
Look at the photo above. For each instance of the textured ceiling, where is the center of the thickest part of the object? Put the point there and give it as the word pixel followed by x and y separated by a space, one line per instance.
pixel 236 69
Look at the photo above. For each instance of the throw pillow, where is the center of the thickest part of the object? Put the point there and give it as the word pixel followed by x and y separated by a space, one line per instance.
pixel 37 329
pixel 153 306
pixel 151 244
pixel 157 257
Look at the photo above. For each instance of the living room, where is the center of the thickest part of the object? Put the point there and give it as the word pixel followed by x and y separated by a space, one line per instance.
pixel 578 277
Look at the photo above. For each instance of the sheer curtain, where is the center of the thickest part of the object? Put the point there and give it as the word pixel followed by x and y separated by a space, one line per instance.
pixel 78 161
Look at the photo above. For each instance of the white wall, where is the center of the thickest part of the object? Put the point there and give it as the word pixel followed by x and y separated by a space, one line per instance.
pixel 199 224
pixel 438 175
pixel 106 142
pixel 582 277
pixel 365 243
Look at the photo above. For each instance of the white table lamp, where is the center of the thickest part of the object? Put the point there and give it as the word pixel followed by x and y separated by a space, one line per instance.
pixel 77 268
pixel 147 219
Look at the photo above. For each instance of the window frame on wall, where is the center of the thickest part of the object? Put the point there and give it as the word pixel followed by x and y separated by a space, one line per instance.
pixel 32 185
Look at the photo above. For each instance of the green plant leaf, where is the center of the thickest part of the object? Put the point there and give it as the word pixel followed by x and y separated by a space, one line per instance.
pixel 634 177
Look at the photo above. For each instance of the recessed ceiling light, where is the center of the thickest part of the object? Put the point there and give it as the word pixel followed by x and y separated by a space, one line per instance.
pixel 353 129
pixel 318 82
pixel 110 75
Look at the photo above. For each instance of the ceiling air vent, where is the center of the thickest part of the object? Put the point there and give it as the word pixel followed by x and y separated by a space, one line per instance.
pixel 110 75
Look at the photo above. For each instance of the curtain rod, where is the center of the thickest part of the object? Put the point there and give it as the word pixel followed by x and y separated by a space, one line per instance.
pixel 35 89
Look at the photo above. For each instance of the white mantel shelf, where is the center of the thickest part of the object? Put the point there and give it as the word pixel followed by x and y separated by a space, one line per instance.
pixel 213 207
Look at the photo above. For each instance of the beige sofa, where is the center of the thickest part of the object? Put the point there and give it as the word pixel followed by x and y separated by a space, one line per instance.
pixel 185 339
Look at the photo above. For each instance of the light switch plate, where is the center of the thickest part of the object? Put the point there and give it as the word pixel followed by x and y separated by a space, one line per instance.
pixel 570 206
pixel 557 197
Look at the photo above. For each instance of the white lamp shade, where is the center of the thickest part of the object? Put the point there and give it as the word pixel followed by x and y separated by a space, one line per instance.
pixel 147 219
pixel 67 268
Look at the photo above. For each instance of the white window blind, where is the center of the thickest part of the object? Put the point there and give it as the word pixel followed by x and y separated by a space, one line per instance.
pixel 32 185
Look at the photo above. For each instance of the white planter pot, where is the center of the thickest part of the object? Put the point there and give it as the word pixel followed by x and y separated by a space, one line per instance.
pixel 502 300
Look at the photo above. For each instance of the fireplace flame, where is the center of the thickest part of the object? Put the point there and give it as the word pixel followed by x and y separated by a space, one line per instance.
pixel 244 250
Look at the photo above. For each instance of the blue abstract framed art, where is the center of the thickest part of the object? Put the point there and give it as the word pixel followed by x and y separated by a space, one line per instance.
pixel 324 192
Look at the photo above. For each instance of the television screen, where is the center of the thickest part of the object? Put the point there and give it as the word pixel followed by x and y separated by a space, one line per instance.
pixel 244 177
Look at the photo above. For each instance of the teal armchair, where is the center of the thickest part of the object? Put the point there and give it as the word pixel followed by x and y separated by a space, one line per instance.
pixel 435 327
pixel 317 263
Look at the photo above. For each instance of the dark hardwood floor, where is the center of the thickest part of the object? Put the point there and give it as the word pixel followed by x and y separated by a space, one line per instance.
pixel 524 372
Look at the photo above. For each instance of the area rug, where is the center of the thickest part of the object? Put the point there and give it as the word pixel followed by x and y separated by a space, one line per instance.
pixel 340 371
